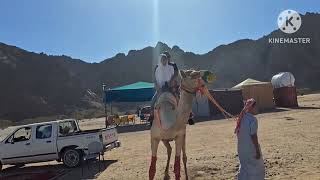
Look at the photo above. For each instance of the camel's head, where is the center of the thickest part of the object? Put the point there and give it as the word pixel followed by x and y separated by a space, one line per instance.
pixel 193 80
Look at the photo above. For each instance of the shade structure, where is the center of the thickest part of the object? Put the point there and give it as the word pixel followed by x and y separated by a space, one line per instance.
pixel 136 92
pixel 230 99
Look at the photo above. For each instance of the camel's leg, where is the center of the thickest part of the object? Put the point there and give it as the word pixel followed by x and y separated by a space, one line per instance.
pixel 185 157
pixel 154 149
pixel 179 143
pixel 169 150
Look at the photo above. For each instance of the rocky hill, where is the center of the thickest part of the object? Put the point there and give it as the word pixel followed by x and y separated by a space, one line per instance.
pixel 38 84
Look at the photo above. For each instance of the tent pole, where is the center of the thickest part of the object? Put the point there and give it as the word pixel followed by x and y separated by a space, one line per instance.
pixel 105 99
pixel 105 109
pixel 105 105
pixel 111 107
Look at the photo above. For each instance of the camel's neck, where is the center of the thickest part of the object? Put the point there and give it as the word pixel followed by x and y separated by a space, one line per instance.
pixel 184 107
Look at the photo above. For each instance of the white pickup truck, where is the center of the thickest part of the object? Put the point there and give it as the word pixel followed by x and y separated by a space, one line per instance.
pixel 60 140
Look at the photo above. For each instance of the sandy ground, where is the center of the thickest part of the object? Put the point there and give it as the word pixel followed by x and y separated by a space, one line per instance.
pixel 290 142
pixel 289 138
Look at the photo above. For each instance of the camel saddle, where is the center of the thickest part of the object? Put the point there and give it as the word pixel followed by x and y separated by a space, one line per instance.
pixel 166 110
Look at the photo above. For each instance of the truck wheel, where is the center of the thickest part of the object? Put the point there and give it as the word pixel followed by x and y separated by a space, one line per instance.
pixel 20 165
pixel 71 158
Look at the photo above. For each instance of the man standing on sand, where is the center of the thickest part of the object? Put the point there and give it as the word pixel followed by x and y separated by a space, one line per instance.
pixel 249 152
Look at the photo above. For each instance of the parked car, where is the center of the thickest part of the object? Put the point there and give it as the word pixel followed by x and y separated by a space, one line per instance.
pixel 60 140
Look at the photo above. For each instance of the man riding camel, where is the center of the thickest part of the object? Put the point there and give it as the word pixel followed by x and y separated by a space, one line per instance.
pixel 175 84
pixel 173 80
pixel 166 80
pixel 164 75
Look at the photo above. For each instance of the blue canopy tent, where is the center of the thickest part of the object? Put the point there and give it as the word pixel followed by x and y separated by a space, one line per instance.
pixel 136 92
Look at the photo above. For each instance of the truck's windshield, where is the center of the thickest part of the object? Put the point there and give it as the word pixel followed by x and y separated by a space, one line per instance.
pixel 67 127
pixel 6 132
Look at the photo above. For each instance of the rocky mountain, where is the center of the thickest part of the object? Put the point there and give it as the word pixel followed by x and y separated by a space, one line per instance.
pixel 38 84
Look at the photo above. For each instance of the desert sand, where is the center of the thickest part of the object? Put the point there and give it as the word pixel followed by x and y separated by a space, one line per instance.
pixel 289 138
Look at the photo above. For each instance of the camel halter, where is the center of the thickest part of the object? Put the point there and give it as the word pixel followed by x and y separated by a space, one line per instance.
pixel 195 90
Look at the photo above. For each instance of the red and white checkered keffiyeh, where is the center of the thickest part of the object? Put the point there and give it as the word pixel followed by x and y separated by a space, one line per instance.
pixel 249 104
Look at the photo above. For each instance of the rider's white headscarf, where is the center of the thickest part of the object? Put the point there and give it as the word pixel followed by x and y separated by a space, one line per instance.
pixel 163 72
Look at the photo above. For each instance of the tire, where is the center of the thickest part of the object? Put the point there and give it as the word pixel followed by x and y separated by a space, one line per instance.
pixel 20 165
pixel 191 122
pixel 71 157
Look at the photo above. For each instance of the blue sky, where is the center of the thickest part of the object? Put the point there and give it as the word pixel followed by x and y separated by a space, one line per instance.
pixel 94 30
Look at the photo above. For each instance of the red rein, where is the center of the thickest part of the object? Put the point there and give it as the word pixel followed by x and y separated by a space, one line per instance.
pixel 248 106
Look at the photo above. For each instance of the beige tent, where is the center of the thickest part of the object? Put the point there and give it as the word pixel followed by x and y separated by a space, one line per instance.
pixel 247 82
pixel 262 92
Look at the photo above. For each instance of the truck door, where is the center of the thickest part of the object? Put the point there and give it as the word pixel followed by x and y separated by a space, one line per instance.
pixel 44 142
pixel 17 148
